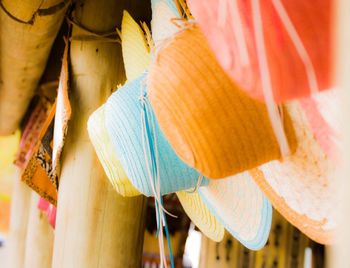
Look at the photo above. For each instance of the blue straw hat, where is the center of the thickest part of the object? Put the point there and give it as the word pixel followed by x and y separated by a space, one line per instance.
pixel 124 113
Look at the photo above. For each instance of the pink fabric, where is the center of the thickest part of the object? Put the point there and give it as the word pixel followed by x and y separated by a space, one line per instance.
pixel 312 21
pixel 323 132
pixel 49 210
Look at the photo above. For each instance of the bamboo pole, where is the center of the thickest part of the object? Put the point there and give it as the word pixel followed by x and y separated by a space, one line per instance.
pixel 339 253
pixel 39 241
pixel 27 31
pixel 18 223
pixel 95 226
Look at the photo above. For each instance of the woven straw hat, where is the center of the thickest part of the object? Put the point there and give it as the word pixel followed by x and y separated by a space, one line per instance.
pixel 123 112
pixel 239 204
pixel 162 13
pixel 321 111
pixel 192 204
pixel 291 39
pixel 214 127
pixel 134 47
pixel 302 187
pixel 201 216
pixel 136 60
pixel 104 149
pixel 99 136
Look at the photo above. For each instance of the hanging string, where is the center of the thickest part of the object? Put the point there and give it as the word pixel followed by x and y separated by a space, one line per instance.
pixel 298 44
pixel 110 37
pixel 150 149
pixel 199 183
pixel 39 12
pixel 272 107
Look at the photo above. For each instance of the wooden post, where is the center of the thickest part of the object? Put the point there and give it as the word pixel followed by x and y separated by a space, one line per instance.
pixel 18 223
pixel 339 253
pixel 39 242
pixel 95 226
pixel 27 31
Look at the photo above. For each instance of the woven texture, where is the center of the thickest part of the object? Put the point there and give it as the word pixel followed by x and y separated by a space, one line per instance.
pixel 201 216
pixel 134 47
pixel 162 26
pixel 136 60
pixel 106 154
pixel 323 112
pixel 123 122
pixel 303 187
pixel 227 34
pixel 214 127
pixel 239 204
pixel 194 207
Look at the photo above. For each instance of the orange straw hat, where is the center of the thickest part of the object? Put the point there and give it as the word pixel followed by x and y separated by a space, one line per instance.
pixel 212 125
pixel 303 187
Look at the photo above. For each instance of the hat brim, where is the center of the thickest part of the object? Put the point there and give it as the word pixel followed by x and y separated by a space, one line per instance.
pixel 323 111
pixel 302 186
pixel 103 146
pixel 192 204
pixel 134 48
pixel 241 207
pixel 201 216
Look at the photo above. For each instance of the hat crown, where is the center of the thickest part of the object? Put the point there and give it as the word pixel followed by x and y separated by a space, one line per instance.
pixel 123 122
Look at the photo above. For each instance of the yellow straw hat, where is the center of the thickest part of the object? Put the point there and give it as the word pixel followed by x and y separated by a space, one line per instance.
pixel 302 187
pixel 136 60
pixel 104 149
pixel 200 215
pixel 212 125
pixel 134 47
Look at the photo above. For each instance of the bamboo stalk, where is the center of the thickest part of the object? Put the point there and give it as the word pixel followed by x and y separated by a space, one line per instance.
pixel 39 241
pixel 339 253
pixel 18 223
pixel 27 31
pixel 95 226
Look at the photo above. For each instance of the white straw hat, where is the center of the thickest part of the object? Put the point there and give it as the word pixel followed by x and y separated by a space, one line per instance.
pixel 239 204
pixel 302 187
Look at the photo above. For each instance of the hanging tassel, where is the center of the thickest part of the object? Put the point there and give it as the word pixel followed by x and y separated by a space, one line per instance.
pixel 151 153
